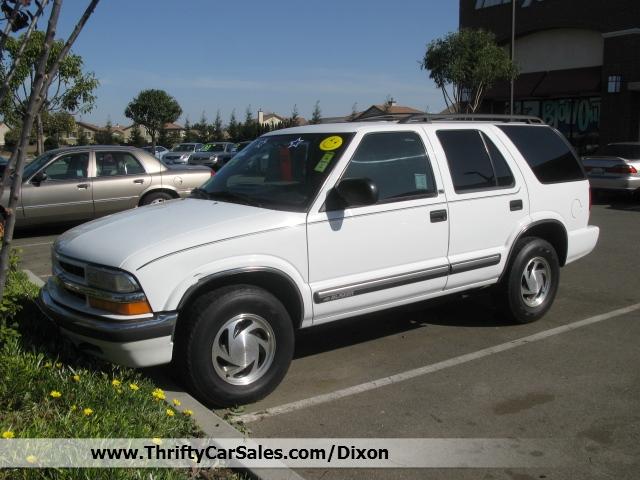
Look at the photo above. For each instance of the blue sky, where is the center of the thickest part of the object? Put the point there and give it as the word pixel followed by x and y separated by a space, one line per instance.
pixel 214 55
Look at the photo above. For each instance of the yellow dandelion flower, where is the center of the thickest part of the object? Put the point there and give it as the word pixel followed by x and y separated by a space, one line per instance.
pixel 156 440
pixel 188 413
pixel 47 365
pixel 76 378
pixel 8 434
pixel 115 383
pixel 158 394
pixel 177 402
pixel 74 408
pixel 55 394
pixel 87 412
pixel 134 386
pixel 58 364
pixel 170 412
pixel 32 459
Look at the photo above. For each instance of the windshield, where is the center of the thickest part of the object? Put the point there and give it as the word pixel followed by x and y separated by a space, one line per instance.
pixel 37 163
pixel 213 147
pixel 282 172
pixel 184 147
pixel 628 151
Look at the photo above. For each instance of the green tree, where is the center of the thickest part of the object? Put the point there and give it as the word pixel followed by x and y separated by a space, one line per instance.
pixel 316 115
pixel 71 89
pixel 58 123
pixel 249 128
pixel 233 129
pixel 135 137
pixel 83 138
pixel 217 131
pixel 464 65
pixel 190 135
pixel 354 111
pixel 105 136
pixel 153 109
pixel 202 129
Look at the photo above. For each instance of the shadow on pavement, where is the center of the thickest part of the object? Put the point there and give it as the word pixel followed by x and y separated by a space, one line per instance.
pixel 454 311
pixel 618 201
pixel 42 231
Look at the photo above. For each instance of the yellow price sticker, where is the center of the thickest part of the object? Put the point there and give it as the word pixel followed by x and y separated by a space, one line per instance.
pixel 331 143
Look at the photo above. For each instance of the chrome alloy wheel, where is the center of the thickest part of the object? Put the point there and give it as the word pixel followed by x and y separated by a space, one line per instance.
pixel 157 200
pixel 243 349
pixel 535 282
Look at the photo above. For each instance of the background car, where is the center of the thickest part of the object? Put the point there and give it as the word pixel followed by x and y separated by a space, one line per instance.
pixel 159 153
pixel 214 155
pixel 615 167
pixel 81 183
pixel 179 155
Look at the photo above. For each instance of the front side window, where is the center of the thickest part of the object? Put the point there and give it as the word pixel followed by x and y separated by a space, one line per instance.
pixel 184 147
pixel 282 172
pixel 474 161
pixel 213 147
pixel 396 162
pixel 74 166
pixel 109 164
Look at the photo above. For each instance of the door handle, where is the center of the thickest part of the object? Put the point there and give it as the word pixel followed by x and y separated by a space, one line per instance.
pixel 83 186
pixel 438 216
pixel 138 180
pixel 515 205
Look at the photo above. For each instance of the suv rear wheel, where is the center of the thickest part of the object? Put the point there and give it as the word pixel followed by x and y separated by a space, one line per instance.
pixel 531 282
pixel 236 345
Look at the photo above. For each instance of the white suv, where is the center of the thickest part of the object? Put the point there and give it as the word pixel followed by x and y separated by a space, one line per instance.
pixel 318 223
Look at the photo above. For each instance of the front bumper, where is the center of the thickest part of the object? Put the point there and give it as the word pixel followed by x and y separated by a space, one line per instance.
pixel 133 343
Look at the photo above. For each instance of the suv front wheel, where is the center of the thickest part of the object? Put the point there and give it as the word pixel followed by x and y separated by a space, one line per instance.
pixel 236 345
pixel 531 282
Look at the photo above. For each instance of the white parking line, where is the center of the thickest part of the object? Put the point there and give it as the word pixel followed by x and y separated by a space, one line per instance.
pixel 32 244
pixel 417 372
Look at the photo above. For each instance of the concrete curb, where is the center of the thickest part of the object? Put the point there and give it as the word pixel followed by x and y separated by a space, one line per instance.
pixel 33 278
pixel 214 426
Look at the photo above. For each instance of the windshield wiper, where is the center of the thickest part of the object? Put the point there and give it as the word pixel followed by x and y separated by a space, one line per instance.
pixel 200 193
pixel 234 197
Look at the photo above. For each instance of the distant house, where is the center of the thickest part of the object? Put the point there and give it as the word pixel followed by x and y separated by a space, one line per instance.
pixel 4 129
pixel 391 108
pixel 270 119
pixel 89 130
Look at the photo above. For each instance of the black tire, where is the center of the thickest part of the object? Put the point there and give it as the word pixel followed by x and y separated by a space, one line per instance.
pixel 200 328
pixel 513 300
pixel 155 197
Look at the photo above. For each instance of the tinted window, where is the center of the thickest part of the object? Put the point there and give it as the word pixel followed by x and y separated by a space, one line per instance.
pixel 474 161
pixel 504 177
pixel 396 162
pixel 110 164
pixel 67 167
pixel 548 155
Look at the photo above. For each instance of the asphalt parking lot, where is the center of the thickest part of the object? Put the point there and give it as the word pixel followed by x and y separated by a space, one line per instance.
pixel 454 369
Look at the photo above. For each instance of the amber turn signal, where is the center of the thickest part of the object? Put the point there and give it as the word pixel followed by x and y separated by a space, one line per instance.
pixel 133 308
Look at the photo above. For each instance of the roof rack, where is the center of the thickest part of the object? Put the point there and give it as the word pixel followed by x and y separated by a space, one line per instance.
pixel 392 117
pixel 469 117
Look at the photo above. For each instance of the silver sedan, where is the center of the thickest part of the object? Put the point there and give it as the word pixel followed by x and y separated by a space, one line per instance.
pixel 615 167
pixel 80 183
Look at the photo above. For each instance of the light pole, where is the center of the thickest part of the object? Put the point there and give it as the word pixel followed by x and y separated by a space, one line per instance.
pixel 513 50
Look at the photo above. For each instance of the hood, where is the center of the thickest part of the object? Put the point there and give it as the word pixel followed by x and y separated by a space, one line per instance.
pixel 135 237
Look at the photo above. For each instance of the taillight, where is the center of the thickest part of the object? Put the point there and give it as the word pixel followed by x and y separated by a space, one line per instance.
pixel 622 168
pixel 212 173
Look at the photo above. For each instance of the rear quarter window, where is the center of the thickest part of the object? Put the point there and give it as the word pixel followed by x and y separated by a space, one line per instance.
pixel 547 153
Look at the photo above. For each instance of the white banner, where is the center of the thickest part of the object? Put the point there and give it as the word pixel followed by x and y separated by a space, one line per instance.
pixel 281 453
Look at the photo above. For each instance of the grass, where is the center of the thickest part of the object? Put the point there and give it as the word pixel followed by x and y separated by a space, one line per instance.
pixel 49 389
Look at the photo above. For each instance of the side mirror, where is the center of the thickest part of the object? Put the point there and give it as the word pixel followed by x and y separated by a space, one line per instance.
pixel 353 192
pixel 38 178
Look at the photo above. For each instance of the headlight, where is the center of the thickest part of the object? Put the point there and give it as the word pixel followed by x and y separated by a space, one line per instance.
pixel 111 280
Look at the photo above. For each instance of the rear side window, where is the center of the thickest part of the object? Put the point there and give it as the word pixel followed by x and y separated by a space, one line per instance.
pixel 548 155
pixel 396 162
pixel 474 161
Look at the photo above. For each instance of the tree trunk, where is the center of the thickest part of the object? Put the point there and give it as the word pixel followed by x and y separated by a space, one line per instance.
pixel 39 134
pixel 35 103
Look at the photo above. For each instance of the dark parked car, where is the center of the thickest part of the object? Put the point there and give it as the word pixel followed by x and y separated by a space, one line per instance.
pixel 214 155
